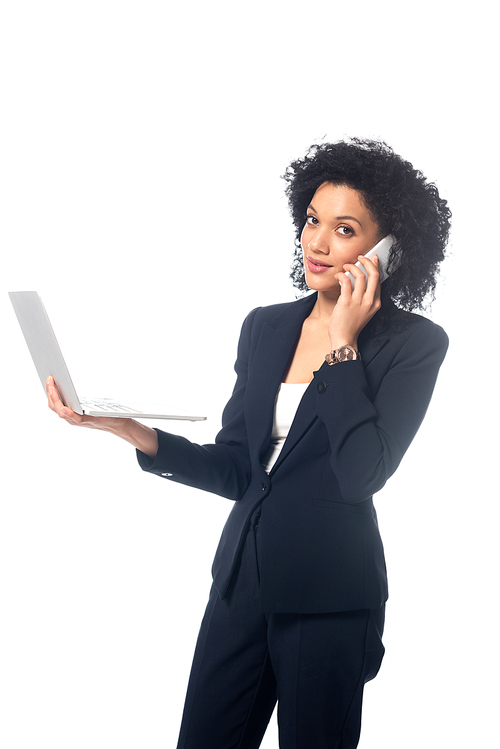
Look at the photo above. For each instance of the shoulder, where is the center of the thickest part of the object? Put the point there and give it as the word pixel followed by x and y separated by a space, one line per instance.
pixel 415 335
pixel 286 317
pixel 281 314
pixel 413 324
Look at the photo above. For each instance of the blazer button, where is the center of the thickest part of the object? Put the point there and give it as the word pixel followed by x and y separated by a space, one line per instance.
pixel 167 475
pixel 264 487
pixel 321 387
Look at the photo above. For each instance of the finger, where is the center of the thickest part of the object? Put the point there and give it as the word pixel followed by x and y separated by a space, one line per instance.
pixel 54 399
pixel 372 269
pixel 64 412
pixel 359 278
pixel 373 287
pixel 345 285
pixel 70 416
pixel 73 418
pixel 55 402
pixel 52 394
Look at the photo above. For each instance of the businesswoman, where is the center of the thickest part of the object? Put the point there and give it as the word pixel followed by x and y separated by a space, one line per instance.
pixel 330 391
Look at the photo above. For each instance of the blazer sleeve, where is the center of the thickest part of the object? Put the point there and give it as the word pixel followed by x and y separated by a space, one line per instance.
pixel 222 468
pixel 370 432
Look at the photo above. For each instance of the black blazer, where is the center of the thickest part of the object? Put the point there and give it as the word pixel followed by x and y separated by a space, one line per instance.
pixel 320 548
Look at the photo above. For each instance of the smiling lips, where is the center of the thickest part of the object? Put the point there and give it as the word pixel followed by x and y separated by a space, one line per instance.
pixel 316 266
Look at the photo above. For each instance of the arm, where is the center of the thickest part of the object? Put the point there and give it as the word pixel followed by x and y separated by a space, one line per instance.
pixel 221 469
pixel 370 432
pixel 224 467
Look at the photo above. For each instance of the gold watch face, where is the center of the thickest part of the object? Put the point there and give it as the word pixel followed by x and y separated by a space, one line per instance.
pixel 346 353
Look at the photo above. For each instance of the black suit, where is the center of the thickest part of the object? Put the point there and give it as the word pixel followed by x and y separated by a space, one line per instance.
pixel 297 608
pixel 320 545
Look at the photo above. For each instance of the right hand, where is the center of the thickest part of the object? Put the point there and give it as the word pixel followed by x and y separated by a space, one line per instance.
pixel 107 424
pixel 139 435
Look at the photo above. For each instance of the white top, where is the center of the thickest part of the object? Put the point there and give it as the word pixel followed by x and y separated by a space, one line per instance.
pixel 287 401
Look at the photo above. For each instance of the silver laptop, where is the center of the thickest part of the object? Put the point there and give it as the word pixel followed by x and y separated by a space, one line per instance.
pixel 48 360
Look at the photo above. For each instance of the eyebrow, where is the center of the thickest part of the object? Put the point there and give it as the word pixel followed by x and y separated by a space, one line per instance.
pixel 337 218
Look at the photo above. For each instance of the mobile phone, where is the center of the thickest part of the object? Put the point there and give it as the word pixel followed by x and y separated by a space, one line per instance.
pixel 382 249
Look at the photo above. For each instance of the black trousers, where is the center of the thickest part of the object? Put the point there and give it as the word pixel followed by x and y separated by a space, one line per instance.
pixel 315 665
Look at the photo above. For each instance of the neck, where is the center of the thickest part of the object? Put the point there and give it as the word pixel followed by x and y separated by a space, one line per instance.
pixel 325 304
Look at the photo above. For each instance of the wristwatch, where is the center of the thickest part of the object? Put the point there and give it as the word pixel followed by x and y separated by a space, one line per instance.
pixel 344 353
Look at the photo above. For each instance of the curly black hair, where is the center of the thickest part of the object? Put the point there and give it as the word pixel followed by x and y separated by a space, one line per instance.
pixel 400 201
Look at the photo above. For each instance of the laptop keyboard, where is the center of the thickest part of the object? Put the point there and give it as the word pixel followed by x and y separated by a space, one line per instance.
pixel 107 404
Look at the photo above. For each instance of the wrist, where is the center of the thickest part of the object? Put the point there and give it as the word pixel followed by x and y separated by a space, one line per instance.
pixel 139 435
pixel 342 354
pixel 118 426
pixel 338 342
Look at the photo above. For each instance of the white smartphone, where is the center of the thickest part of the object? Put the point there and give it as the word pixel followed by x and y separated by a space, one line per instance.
pixel 382 249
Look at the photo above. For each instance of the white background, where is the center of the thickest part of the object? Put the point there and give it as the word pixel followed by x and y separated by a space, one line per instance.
pixel 141 151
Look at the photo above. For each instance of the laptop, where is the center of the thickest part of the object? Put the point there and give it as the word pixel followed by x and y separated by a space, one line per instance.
pixel 48 360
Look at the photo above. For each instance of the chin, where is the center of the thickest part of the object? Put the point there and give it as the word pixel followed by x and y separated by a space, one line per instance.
pixel 321 284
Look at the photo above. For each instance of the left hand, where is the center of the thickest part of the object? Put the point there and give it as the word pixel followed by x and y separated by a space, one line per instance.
pixel 355 307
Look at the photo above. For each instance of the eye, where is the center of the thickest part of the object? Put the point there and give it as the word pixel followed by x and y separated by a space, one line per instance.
pixel 311 220
pixel 345 231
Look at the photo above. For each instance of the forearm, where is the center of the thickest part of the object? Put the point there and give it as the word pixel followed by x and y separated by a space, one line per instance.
pixel 221 469
pixel 370 426
pixel 139 435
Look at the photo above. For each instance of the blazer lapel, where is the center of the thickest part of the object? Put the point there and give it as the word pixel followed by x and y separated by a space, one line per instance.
pixel 277 342
pixel 306 415
pixel 370 347
pixel 304 419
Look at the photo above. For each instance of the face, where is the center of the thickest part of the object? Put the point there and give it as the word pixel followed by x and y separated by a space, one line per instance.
pixel 338 228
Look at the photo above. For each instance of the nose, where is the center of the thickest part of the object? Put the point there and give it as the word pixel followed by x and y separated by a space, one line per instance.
pixel 318 241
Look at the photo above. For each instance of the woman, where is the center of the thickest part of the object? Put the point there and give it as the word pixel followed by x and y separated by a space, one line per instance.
pixel 330 391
